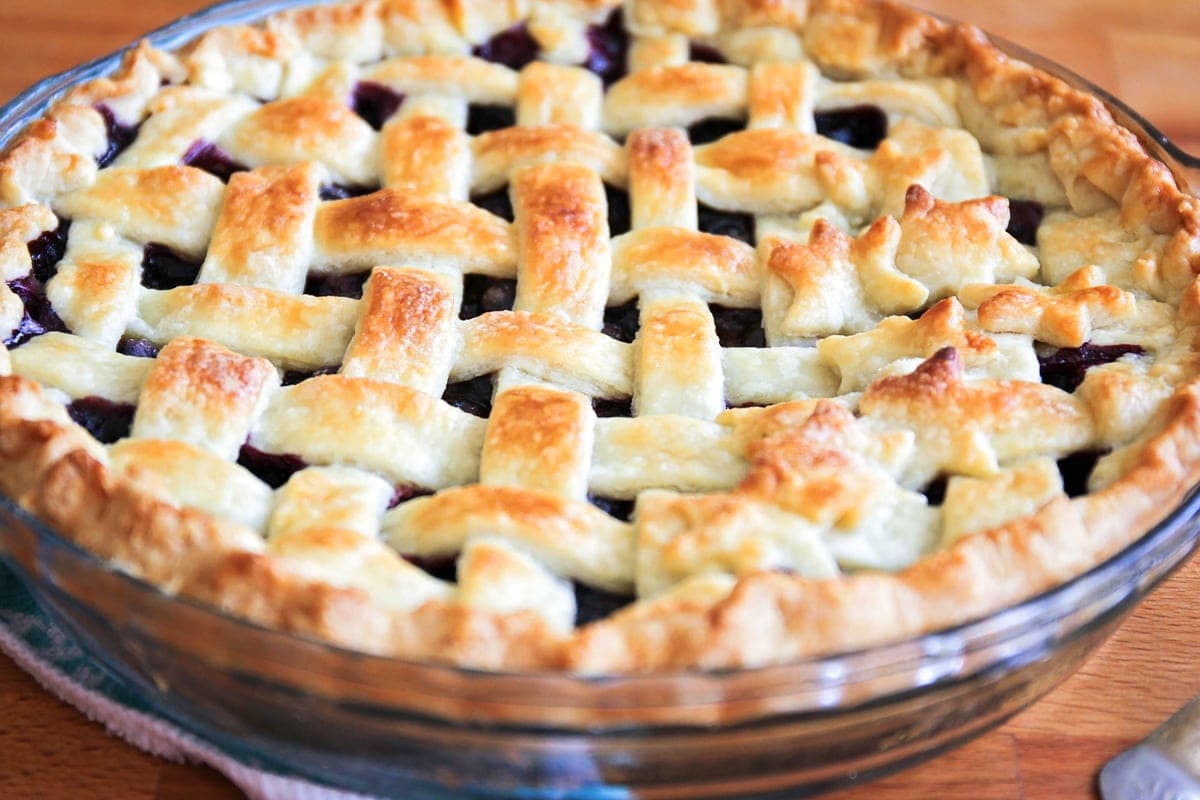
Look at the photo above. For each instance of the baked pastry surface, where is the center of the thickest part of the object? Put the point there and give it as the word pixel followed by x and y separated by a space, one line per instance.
pixel 595 336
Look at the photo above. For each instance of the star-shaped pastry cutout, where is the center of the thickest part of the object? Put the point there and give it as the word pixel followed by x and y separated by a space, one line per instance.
pixel 823 468
pixel 973 427
pixel 838 284
pixel 860 358
pixel 1062 315
pixel 948 245
pixel 946 162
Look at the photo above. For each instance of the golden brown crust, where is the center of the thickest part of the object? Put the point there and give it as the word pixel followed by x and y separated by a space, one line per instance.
pixel 539 438
pixel 661 179
pixel 203 394
pixel 973 427
pixel 562 243
pixel 263 235
pixel 499 154
pixel 717 267
pixel 405 330
pixel 426 157
pixel 390 226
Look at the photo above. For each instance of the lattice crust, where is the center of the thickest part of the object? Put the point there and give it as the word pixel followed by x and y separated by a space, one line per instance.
pixel 386 337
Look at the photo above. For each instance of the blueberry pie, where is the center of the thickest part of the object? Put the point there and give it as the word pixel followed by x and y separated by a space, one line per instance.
pixel 595 336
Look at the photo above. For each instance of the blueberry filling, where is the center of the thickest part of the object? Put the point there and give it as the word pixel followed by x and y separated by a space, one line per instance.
pixel 621 509
pixel 213 160
pixel 48 249
pixel 608 45
pixel 294 376
pixel 862 127
pixel 705 53
pixel 483 118
pixel 1067 366
pixel 272 469
pixel 482 294
pixel 713 128
pixel 1024 218
pixel 105 420
pixel 935 491
pixel 595 604
pixel 622 407
pixel 1075 470
pixel 726 223
pixel 621 322
pixel 337 285
pixel 343 191
pixel 405 493
pixel 374 102
pixel 619 215
pixel 738 327
pixel 163 268
pixel 137 346
pixel 514 47
pixel 473 396
pixel 443 568
pixel 120 136
pixel 497 202
pixel 39 316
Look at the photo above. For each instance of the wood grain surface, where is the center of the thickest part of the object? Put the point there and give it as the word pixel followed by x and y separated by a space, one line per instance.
pixel 1147 53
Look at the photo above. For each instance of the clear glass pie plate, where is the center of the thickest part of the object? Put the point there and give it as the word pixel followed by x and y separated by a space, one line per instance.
pixel 417 730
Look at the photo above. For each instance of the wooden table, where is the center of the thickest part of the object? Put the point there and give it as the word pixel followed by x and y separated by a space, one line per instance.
pixel 1147 53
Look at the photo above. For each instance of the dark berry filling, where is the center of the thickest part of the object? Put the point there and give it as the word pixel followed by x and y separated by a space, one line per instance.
pixel 473 396
pixel 1075 470
pixel 621 509
pixel 514 47
pixel 621 322
pixel 374 102
pixel 705 53
pixel 738 327
pixel 483 118
pixel 105 420
pixel 622 407
pixel 342 191
pixel 272 469
pixel 337 285
pixel 1066 367
pixel 1024 218
pixel 595 604
pixel 935 492
pixel 497 202
pixel 39 316
pixel 443 568
pixel 213 160
pixel 120 136
pixel 863 127
pixel 163 268
pixel 727 223
pixel 48 249
pixel 608 45
pixel 482 294
pixel 619 215
pixel 137 346
pixel 293 376
pixel 713 128
pixel 405 493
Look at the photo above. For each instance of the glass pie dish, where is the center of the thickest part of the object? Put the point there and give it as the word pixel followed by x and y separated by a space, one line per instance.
pixel 385 726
